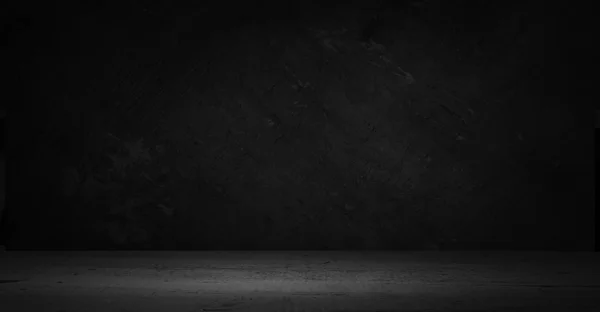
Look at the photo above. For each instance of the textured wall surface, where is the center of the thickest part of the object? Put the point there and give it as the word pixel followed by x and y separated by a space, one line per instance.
pixel 163 127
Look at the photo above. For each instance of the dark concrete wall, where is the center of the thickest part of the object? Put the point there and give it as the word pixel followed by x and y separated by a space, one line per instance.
pixel 113 146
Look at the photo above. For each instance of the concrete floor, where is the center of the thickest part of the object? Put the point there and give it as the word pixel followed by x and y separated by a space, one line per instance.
pixel 299 281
